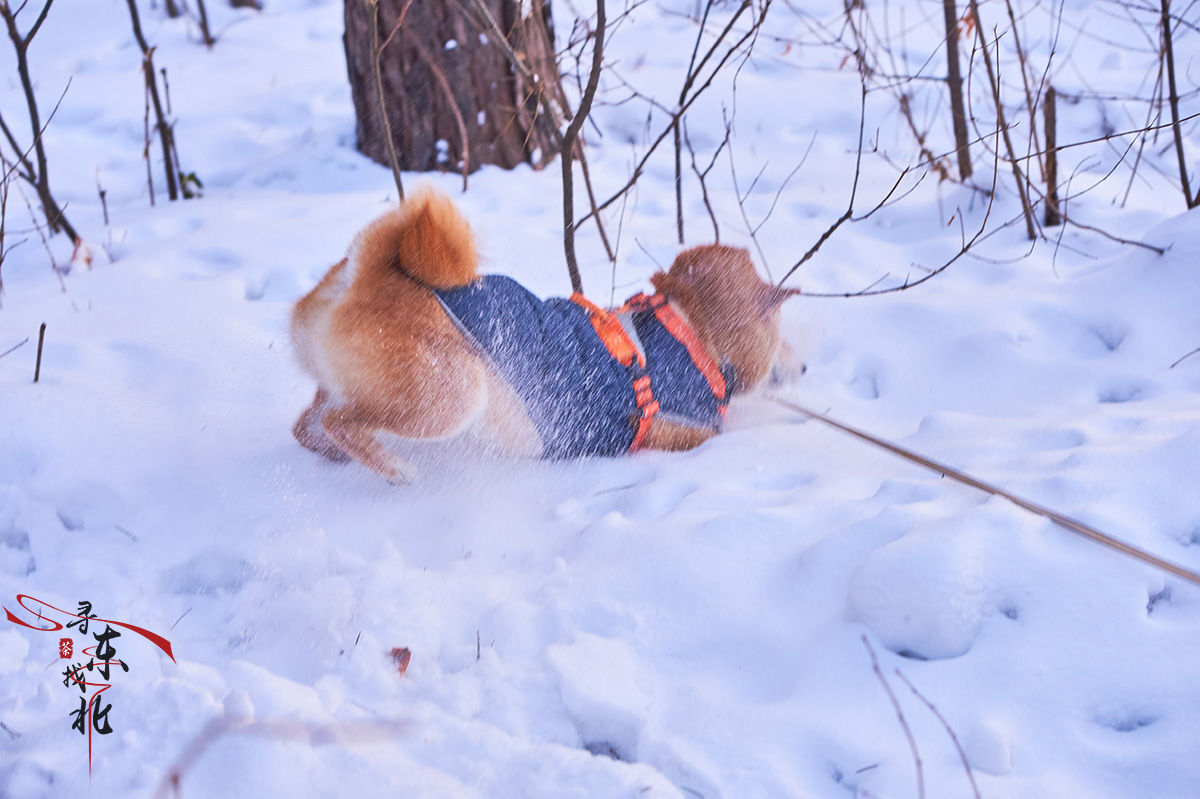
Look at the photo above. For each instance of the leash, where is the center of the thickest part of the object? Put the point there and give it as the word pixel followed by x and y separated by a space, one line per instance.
pixel 1066 522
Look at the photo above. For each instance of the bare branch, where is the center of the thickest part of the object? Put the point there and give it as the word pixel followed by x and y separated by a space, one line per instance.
pixel 949 731
pixel 45 244
pixel 958 114
pixel 15 346
pixel 741 201
pixel 967 244
pixel 701 175
pixel 862 121
pixel 1049 107
pixel 165 133
pixel 22 158
pixel 372 7
pixel 1172 366
pixel 568 142
pixel 1111 136
pixel 444 84
pixel 1169 55
pixel 205 35
pixel 912 742
pixel 4 249
pixel 591 194
pixel 37 23
pixel 693 71
pixel 641 164
pixel 994 81
pixel 39 179
pixel 783 185
pixel 550 114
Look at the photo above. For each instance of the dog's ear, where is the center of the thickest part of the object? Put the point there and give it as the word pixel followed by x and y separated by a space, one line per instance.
pixel 772 297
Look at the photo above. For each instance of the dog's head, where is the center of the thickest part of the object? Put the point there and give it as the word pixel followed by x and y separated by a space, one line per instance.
pixel 734 312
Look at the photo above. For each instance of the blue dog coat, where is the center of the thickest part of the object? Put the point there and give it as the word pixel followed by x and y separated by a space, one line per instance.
pixel 581 399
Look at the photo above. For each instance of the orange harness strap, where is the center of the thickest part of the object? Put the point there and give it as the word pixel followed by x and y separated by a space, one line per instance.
pixel 617 341
pixel 685 336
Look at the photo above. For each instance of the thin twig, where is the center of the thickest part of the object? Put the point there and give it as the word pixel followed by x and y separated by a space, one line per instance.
pixel 209 41
pixel 1111 136
pixel 693 71
pixel 146 148
pixel 166 88
pixel 41 180
pixel 1061 207
pixel 963 250
pixel 1150 115
pixel 444 84
pixel 568 142
pixel 741 201
pixel 487 24
pixel 862 121
pixel 26 340
pixel 994 81
pixel 186 612
pixel 1169 54
pixel 22 158
pixel 701 175
pixel 1050 109
pixel 954 83
pixel 949 731
pixel 1023 64
pixel 372 7
pixel 591 195
pixel 165 133
pixel 1184 358
pixel 3 221
pixel 37 369
pixel 678 149
pixel 783 185
pixel 912 742
pixel 42 235
pixel 666 131
pixel 396 28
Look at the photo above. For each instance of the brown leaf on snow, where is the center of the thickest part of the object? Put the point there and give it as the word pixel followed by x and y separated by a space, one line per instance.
pixel 401 656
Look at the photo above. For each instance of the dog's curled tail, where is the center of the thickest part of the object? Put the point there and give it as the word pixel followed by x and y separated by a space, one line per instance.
pixel 426 238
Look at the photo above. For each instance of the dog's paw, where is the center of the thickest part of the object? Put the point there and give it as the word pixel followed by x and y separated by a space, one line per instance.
pixel 307 431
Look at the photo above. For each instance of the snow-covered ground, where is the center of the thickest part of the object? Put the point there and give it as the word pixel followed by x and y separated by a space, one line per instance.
pixel 660 625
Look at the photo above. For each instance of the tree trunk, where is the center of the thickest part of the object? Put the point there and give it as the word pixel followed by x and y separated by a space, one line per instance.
pixel 451 96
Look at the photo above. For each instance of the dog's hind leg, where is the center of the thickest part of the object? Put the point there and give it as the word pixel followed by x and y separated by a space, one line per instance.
pixel 673 437
pixel 312 436
pixel 354 433
pixel 443 408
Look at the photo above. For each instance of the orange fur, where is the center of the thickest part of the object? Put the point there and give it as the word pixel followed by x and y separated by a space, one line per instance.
pixel 387 359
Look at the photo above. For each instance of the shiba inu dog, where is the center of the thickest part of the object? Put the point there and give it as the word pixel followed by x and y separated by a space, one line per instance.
pixel 405 337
